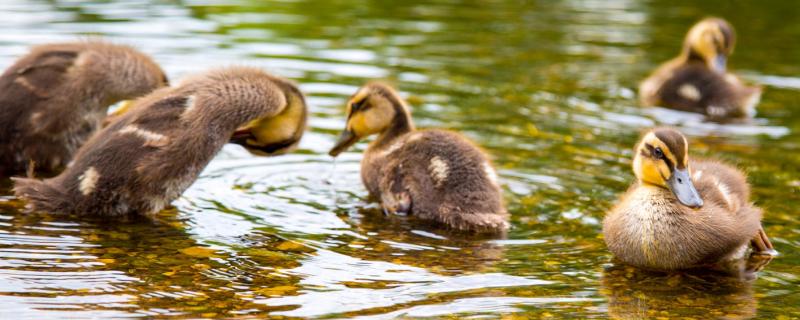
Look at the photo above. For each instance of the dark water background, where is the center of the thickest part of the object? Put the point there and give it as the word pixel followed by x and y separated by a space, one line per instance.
pixel 547 87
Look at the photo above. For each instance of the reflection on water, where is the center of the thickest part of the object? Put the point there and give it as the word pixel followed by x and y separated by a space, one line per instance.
pixel 637 294
pixel 546 87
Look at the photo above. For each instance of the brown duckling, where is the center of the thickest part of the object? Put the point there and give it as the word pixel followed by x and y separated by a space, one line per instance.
pixel 697 80
pixel 681 217
pixel 153 152
pixel 433 174
pixel 55 97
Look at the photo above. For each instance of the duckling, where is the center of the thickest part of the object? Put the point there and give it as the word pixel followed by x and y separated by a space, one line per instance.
pixel 436 175
pixel 55 97
pixel 697 80
pixel 154 151
pixel 680 217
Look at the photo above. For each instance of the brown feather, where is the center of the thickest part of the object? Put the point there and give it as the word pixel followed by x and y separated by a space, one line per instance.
pixel 152 153
pixel 55 97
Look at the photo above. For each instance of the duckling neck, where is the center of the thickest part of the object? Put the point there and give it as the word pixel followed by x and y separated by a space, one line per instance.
pixel 691 56
pixel 400 126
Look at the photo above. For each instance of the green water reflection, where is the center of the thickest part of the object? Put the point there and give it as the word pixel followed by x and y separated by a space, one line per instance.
pixel 546 87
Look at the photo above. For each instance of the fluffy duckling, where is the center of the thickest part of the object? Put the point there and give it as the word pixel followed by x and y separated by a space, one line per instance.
pixel 153 152
pixel 681 217
pixel 434 174
pixel 697 80
pixel 55 97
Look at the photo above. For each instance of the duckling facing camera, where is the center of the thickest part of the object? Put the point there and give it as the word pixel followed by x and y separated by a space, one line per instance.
pixel 681 214
pixel 154 151
pixel 56 97
pixel 435 175
pixel 698 81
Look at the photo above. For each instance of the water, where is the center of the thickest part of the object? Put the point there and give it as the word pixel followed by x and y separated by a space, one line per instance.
pixel 548 88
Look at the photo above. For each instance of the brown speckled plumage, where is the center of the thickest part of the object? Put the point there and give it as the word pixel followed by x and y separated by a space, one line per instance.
pixel 650 228
pixel 55 97
pixel 690 83
pixel 151 154
pixel 435 175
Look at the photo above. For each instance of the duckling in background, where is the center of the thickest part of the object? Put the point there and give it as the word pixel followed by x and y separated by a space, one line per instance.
pixel 434 174
pixel 681 217
pixel 56 97
pixel 697 80
pixel 154 151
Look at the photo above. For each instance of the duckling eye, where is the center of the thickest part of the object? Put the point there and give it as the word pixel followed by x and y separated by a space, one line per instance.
pixel 356 105
pixel 658 153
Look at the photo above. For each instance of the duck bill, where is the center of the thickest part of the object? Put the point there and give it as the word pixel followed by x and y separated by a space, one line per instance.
pixel 346 140
pixel 241 135
pixel 245 138
pixel 720 63
pixel 680 183
pixel 124 107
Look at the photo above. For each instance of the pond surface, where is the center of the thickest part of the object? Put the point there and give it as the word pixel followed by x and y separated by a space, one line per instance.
pixel 548 88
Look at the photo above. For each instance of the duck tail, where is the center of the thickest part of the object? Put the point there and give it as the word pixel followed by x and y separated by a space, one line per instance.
pixel 478 222
pixel 40 195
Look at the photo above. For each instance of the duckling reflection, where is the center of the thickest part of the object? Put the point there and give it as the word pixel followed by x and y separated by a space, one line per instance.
pixel 405 241
pixel 698 81
pixel 55 97
pixel 638 294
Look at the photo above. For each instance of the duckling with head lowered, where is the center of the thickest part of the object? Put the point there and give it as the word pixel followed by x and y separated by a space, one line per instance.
pixel 152 153
pixel 697 80
pixel 681 217
pixel 55 97
pixel 433 174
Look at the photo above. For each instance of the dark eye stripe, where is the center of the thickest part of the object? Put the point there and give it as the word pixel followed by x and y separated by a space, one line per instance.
pixel 652 153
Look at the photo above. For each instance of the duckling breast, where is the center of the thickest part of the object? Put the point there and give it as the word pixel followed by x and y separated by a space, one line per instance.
pixel 649 229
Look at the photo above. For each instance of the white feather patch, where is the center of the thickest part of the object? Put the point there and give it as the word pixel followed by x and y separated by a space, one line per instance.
pixel 490 173
pixel 189 107
pixel 25 83
pixel 690 92
pixel 88 181
pixel 393 148
pixel 715 111
pixel 151 138
pixel 725 191
pixel 439 170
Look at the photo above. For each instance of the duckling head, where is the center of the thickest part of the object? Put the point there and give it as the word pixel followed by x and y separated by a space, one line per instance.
pixel 127 73
pixel 711 40
pixel 662 159
pixel 278 134
pixel 374 109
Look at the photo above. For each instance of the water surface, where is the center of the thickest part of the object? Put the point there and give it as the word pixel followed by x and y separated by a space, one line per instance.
pixel 548 88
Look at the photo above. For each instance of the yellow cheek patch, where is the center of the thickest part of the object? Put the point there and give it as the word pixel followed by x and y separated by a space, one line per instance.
pixel 278 128
pixel 650 172
pixel 358 125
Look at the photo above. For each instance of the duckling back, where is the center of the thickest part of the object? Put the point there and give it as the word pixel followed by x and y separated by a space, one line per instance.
pixel 447 178
pixel 695 88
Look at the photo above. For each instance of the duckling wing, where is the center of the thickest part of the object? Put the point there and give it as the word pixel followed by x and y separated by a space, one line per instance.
pixel 728 187
pixel 721 183
pixel 39 74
